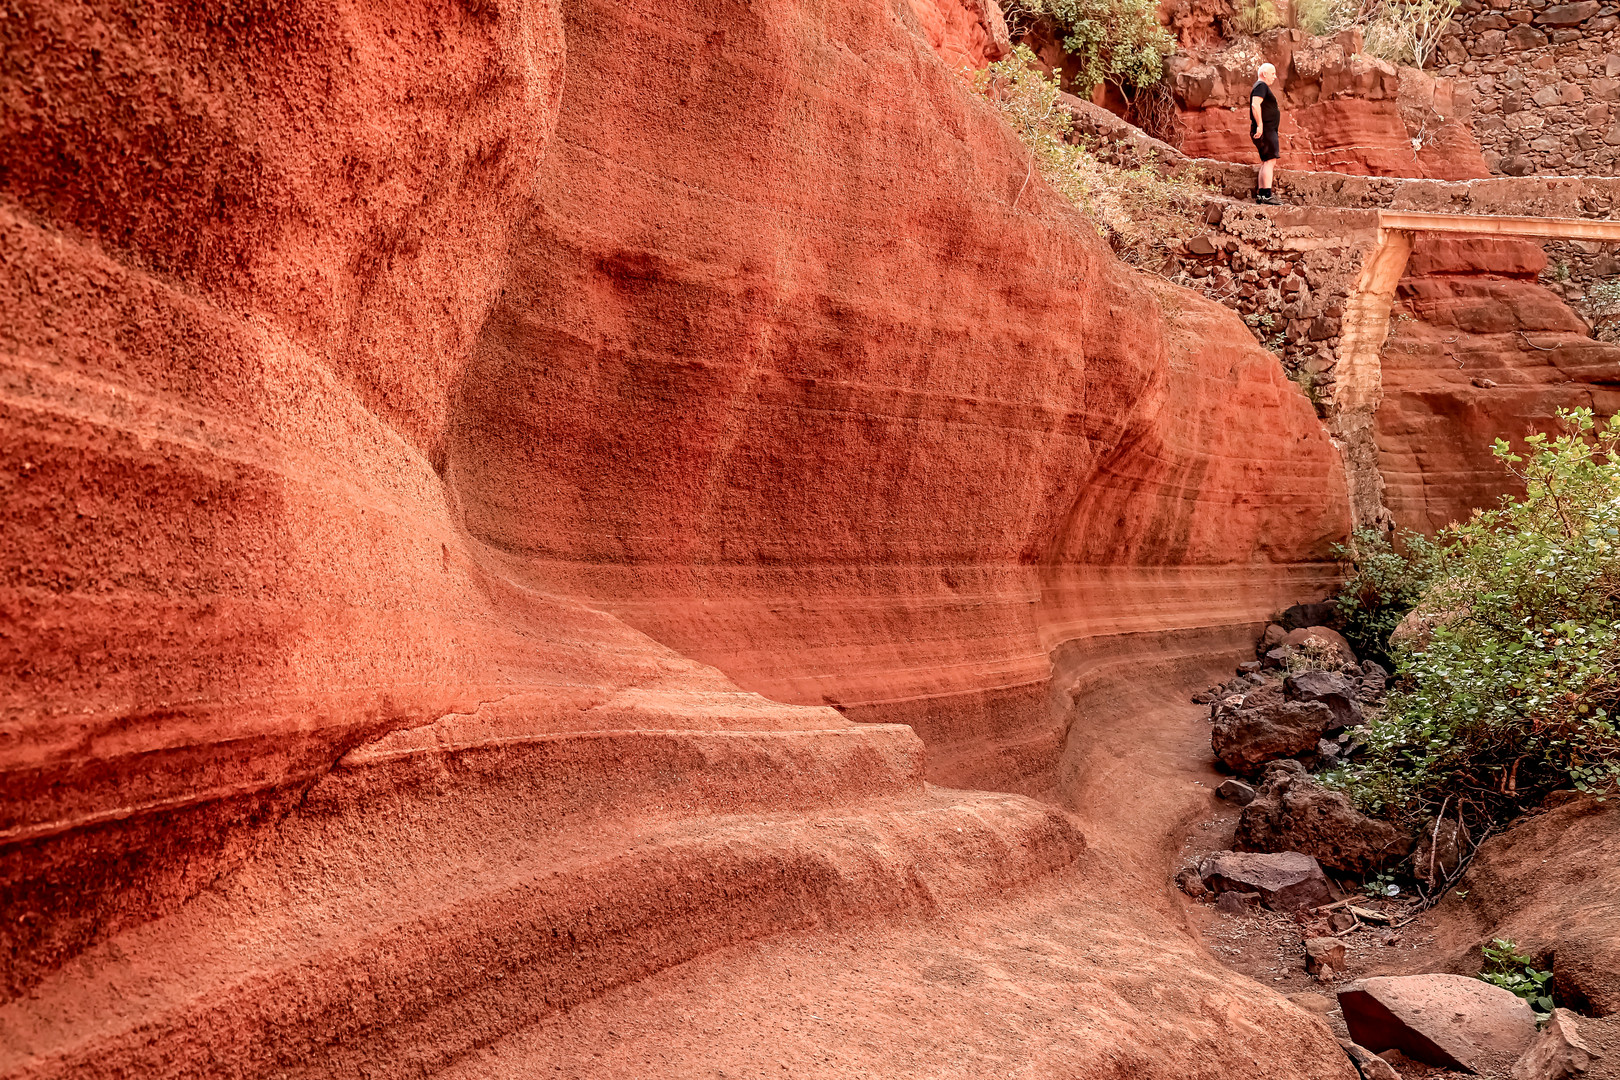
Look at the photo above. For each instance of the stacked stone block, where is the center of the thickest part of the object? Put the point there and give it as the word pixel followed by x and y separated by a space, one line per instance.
pixel 1546 83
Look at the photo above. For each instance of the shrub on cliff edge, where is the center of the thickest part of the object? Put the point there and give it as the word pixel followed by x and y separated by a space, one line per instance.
pixel 1142 212
pixel 1387 580
pixel 1514 689
pixel 1119 42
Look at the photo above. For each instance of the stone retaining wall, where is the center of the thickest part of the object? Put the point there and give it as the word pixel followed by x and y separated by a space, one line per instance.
pixel 1574 267
pixel 1289 272
pixel 1546 83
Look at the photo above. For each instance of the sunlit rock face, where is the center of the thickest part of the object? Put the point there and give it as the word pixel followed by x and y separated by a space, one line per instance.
pixel 388 391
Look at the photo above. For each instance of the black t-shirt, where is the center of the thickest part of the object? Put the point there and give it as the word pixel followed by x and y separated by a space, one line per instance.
pixel 1270 115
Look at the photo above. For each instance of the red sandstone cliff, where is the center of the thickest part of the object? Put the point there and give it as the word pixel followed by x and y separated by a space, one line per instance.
pixel 1343 111
pixel 1477 351
pixel 551 451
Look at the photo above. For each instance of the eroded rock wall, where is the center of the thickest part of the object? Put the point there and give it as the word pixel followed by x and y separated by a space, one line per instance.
pixel 1477 350
pixel 451 392
pixel 1342 111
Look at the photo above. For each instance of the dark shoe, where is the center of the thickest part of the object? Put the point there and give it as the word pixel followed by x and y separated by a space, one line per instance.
pixel 1265 200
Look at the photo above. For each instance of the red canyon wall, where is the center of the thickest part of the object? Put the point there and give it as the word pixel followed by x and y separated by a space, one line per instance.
pixel 1477 351
pixel 374 394
pixel 1342 111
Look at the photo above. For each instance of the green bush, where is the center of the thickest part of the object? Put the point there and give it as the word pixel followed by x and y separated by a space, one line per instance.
pixel 1513 689
pixel 1505 967
pixel 1325 17
pixel 1140 211
pixel 1119 42
pixel 1388 580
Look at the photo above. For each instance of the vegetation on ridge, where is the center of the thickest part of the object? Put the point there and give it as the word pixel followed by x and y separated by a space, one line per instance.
pixel 1142 212
pixel 1400 31
pixel 1118 42
pixel 1509 666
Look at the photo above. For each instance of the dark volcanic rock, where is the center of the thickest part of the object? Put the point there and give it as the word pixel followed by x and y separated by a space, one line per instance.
pixel 1246 740
pixel 1236 791
pixel 1292 812
pixel 1284 881
pixel 1308 615
pixel 1334 689
pixel 1373 683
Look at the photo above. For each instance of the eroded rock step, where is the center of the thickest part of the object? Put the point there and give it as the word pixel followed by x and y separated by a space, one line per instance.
pixel 456 905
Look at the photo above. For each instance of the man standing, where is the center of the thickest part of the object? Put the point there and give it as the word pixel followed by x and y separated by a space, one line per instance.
pixel 1263 120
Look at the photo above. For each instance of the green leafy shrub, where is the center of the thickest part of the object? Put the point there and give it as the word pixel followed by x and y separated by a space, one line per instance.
pixel 1505 967
pixel 1120 42
pixel 1603 300
pixel 1513 691
pixel 1387 581
pixel 1140 211
pixel 1325 17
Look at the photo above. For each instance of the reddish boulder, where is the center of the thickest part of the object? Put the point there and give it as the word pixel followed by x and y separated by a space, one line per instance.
pixel 1324 956
pixel 1551 884
pixel 1561 1051
pixel 1449 1021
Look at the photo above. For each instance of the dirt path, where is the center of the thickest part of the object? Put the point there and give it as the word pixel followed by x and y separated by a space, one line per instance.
pixel 1094 973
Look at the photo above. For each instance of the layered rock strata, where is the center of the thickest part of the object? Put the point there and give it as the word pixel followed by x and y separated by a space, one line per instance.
pixel 1343 111
pixel 1477 351
pixel 448 497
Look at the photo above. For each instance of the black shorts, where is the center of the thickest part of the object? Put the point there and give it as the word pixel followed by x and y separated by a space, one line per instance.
pixel 1266 144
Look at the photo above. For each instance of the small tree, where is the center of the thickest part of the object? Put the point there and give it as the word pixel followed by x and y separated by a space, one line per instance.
pixel 1604 300
pixel 1118 42
pixel 1516 687
pixel 1388 580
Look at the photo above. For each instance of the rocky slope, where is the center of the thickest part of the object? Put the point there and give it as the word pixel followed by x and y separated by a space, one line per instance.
pixel 457 457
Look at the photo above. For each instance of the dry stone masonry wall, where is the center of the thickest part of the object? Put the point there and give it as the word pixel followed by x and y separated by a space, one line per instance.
pixel 1289 273
pixel 1545 80
pixel 1574 269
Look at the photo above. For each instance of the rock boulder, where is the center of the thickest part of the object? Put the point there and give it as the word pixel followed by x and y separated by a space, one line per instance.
pixel 1334 689
pixel 1450 1021
pixel 1291 812
pixel 1369 1064
pixel 1562 1051
pixel 1247 739
pixel 1324 955
pixel 1284 881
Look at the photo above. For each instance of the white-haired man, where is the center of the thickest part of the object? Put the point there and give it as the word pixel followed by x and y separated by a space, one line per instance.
pixel 1264 117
